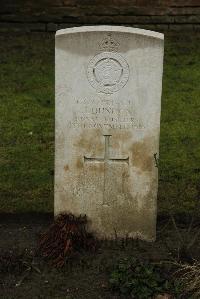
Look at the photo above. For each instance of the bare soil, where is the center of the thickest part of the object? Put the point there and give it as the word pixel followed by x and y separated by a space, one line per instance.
pixel 86 275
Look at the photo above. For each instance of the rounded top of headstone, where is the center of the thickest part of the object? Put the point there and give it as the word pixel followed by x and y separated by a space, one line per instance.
pixel 105 28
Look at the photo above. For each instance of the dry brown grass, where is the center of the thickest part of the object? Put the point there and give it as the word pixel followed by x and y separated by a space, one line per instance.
pixel 189 277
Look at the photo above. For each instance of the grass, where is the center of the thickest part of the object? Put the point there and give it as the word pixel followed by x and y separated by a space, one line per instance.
pixel 27 124
pixel 180 125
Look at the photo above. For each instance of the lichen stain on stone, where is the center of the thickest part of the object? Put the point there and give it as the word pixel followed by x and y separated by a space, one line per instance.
pixel 90 145
pixel 125 177
pixel 96 166
pixel 123 136
pixel 131 221
pixel 83 142
pixel 79 164
pixel 66 167
pixel 92 141
pixel 142 156
pixel 120 138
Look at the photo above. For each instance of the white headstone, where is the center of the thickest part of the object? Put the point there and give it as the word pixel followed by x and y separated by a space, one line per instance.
pixel 108 101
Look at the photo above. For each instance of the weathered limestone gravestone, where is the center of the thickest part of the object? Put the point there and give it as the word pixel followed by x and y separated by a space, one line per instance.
pixel 108 98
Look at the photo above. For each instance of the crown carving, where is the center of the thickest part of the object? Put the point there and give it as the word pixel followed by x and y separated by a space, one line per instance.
pixel 108 44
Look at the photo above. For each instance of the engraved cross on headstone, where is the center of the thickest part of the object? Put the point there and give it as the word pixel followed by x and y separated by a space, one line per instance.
pixel 106 160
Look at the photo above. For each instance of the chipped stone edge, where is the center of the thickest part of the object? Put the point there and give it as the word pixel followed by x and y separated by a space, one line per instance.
pixel 100 28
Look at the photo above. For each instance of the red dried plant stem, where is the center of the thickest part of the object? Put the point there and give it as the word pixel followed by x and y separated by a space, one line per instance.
pixel 64 237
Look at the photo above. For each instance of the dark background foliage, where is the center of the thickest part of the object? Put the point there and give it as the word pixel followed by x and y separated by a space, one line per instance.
pixel 50 15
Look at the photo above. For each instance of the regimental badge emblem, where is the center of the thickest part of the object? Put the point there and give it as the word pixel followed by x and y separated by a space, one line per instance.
pixel 108 71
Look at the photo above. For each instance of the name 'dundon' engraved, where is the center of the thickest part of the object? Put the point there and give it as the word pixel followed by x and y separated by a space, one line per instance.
pixel 104 116
pixel 106 160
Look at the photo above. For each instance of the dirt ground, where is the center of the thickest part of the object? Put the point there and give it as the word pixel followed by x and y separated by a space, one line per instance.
pixel 22 275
